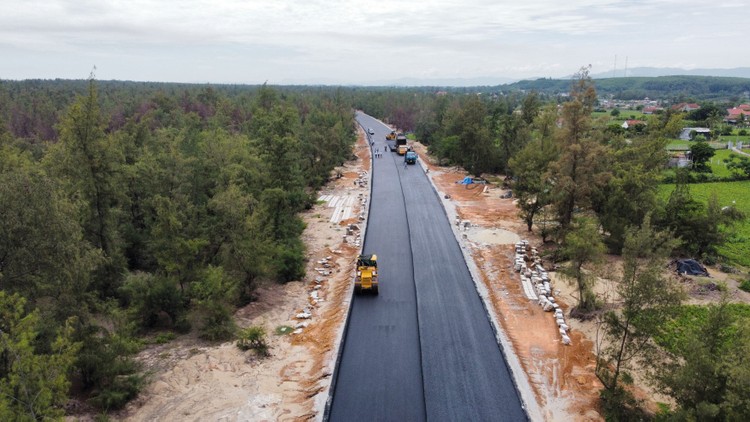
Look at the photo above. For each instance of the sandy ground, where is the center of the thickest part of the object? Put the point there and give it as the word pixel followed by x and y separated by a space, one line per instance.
pixel 193 380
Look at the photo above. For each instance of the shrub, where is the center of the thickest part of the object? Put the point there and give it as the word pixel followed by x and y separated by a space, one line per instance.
pixel 163 338
pixel 745 285
pixel 289 262
pixel 120 390
pixel 621 405
pixel 106 367
pixel 253 338
pixel 214 292
pixel 151 299
pixel 218 324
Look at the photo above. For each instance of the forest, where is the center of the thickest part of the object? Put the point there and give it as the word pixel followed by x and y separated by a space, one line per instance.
pixel 130 208
pixel 133 207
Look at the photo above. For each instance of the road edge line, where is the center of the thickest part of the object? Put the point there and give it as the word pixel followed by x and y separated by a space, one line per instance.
pixel 334 375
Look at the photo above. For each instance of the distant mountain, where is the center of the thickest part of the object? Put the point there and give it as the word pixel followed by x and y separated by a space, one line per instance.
pixel 681 87
pixel 738 72
pixel 406 82
pixel 446 82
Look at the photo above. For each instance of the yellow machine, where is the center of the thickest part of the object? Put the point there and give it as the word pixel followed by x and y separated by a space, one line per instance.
pixel 391 136
pixel 367 274
pixel 401 147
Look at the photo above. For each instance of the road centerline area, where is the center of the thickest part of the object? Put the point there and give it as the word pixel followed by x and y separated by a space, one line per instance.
pixel 438 359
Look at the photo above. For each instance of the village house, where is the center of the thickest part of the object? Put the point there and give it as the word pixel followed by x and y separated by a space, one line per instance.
pixel 688 133
pixel 652 109
pixel 686 107
pixel 627 124
pixel 738 114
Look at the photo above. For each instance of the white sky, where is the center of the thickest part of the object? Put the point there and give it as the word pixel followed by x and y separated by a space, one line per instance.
pixel 362 42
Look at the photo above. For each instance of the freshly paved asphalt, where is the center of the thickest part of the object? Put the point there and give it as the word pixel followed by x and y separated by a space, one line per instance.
pixel 424 348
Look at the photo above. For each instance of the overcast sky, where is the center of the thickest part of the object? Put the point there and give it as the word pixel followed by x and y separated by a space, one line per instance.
pixel 362 42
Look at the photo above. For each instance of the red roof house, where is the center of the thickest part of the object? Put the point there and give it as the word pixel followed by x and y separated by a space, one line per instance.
pixel 687 107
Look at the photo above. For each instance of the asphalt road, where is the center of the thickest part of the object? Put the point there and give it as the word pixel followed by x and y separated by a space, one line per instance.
pixel 424 348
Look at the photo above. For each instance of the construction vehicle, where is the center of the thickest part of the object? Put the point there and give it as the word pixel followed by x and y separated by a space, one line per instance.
pixel 410 157
pixel 401 142
pixel 367 274
pixel 391 136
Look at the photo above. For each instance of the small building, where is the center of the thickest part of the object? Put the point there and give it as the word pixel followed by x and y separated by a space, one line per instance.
pixel 686 107
pixel 685 135
pixel 738 114
pixel 679 160
pixel 651 109
pixel 627 124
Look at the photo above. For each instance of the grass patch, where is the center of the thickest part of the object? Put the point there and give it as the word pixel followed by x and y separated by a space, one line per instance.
pixel 674 333
pixel 625 114
pixel 283 330
pixel 737 248
pixel 678 145
pixel 718 167
pixel 681 145
pixel 163 338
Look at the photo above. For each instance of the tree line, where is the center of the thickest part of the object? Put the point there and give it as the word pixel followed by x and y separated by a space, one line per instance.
pixel 674 89
pixel 151 207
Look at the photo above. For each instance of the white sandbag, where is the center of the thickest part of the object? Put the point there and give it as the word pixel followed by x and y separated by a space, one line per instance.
pixel 566 340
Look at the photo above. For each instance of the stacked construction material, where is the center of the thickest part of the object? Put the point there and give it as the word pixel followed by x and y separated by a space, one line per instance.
pixel 536 284
pixel 520 266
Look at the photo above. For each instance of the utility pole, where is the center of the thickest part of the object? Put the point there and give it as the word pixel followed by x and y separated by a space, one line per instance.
pixel 614 70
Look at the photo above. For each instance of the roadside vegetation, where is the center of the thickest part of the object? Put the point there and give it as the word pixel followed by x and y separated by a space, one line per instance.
pixel 588 187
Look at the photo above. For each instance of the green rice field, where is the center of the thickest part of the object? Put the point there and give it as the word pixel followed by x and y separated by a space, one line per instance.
pixel 737 249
